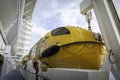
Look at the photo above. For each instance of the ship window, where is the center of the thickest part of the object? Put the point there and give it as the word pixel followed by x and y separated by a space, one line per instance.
pixel 60 31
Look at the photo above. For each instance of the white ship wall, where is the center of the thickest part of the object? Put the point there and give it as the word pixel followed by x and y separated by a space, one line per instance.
pixel 10 15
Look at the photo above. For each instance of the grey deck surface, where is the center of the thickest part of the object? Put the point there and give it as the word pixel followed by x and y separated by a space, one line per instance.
pixel 13 75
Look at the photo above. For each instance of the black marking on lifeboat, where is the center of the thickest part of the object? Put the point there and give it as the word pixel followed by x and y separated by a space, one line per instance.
pixel 50 51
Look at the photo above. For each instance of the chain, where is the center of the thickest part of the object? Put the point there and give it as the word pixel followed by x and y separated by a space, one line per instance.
pixel 88 16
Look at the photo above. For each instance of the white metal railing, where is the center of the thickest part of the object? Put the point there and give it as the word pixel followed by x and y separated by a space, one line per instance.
pixel 26 32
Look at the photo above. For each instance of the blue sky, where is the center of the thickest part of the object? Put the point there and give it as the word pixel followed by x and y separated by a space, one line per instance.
pixel 50 14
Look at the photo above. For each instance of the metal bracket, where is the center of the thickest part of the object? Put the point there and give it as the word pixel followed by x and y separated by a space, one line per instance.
pixel 112 54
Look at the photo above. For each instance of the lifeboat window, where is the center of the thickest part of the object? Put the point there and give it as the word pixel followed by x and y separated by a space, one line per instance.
pixel 60 31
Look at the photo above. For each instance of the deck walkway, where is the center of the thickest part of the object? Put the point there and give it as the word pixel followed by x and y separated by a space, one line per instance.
pixel 13 75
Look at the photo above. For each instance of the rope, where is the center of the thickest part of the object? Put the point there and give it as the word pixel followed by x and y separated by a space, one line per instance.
pixel 84 45
pixel 75 52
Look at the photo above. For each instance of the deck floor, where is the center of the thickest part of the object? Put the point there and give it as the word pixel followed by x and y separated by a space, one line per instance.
pixel 13 75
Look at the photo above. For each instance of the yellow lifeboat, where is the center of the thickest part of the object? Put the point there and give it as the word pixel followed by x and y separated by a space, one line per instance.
pixel 72 47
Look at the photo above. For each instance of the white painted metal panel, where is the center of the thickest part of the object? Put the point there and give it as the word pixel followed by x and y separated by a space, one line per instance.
pixel 75 74
pixel 110 28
